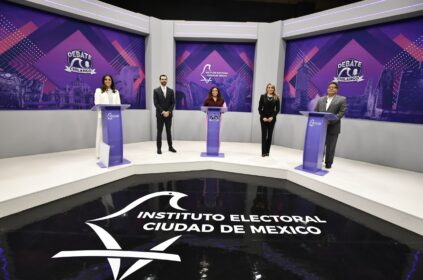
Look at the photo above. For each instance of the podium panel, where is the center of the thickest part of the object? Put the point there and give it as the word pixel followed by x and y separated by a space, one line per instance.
pixel 111 117
pixel 314 143
pixel 214 117
pixel 112 133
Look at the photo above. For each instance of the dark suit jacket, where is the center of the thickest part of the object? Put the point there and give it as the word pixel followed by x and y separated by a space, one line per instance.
pixel 268 108
pixel 161 103
pixel 338 106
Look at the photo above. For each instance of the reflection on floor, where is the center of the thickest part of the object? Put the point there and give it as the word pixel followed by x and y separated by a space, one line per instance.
pixel 284 232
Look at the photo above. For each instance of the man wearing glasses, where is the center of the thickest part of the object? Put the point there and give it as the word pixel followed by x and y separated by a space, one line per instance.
pixel 337 105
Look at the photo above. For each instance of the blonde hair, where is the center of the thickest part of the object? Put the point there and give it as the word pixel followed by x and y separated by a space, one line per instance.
pixel 274 90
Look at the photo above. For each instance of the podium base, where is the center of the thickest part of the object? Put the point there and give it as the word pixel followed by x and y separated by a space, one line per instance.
pixel 205 154
pixel 318 172
pixel 102 165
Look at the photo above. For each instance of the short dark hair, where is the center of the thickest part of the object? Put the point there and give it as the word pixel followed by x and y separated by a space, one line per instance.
pixel 334 83
pixel 162 75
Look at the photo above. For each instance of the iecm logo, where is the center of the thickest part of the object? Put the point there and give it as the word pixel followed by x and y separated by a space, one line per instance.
pixel 110 116
pixel 314 123
pixel 349 70
pixel 79 62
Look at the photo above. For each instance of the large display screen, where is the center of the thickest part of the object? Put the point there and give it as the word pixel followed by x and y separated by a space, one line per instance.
pixel 49 61
pixel 227 66
pixel 378 68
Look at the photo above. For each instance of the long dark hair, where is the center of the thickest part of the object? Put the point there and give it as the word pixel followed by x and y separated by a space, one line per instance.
pixel 103 86
pixel 210 95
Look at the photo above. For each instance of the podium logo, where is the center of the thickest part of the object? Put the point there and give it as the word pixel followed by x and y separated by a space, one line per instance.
pixel 314 123
pixel 207 74
pixel 114 253
pixel 110 116
pixel 214 117
pixel 349 70
pixel 79 62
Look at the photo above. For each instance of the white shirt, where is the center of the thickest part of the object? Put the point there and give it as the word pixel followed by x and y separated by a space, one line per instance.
pixel 108 97
pixel 328 101
pixel 164 90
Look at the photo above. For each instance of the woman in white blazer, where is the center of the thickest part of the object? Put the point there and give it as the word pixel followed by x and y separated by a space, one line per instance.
pixel 107 94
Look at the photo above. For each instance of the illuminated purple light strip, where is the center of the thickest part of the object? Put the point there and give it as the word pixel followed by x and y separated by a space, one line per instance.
pixel 350 19
pixel 333 13
pixel 136 27
pixel 413 266
pixel 4 266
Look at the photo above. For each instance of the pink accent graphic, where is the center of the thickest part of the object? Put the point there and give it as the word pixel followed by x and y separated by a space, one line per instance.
pixel 291 90
pixel 184 56
pixel 247 61
pixel 129 59
pixel 293 71
pixel 409 47
pixel 17 36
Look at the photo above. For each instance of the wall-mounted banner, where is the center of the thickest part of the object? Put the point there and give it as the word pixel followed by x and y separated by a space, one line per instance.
pixel 228 66
pixel 49 61
pixel 378 68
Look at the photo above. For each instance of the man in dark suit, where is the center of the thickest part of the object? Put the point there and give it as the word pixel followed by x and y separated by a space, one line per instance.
pixel 164 101
pixel 337 105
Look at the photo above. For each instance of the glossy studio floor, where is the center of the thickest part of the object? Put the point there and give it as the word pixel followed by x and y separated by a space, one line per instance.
pixel 204 224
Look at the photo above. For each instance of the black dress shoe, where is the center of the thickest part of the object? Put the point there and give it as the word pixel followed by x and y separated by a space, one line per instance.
pixel 263 155
pixel 171 149
pixel 267 154
pixel 328 166
pixel 159 152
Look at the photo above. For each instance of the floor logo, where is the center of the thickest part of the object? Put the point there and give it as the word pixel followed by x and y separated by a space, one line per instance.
pixel 79 62
pixel 114 252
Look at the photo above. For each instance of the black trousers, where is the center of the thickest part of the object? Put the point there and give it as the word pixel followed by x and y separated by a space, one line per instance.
pixel 266 135
pixel 330 146
pixel 168 123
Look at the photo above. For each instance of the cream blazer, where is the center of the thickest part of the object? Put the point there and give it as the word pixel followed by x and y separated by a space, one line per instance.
pixel 102 98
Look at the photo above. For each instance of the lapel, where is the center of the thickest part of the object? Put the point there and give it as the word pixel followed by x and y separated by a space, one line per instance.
pixel 332 103
pixel 325 99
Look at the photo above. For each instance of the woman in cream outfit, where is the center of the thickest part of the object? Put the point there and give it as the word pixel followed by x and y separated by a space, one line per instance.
pixel 107 94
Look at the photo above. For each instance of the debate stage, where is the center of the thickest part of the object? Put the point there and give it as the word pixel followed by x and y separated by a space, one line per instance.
pixel 237 217
pixel 391 194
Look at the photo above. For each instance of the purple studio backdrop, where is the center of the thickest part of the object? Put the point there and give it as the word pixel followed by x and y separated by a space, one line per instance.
pixel 379 69
pixel 228 66
pixel 49 61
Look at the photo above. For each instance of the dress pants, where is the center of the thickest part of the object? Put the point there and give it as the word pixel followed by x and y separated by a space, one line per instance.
pixel 266 135
pixel 168 123
pixel 330 146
